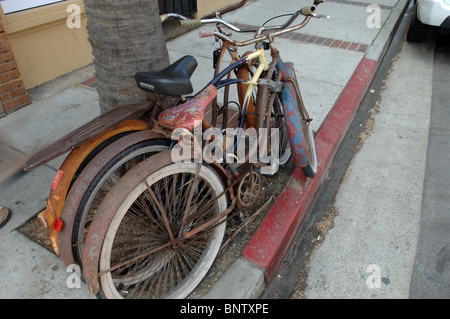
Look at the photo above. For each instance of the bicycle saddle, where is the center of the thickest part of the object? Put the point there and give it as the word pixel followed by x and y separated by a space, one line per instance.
pixel 188 114
pixel 173 80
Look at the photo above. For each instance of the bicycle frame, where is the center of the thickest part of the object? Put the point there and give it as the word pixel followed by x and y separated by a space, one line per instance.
pixel 251 85
pixel 293 106
pixel 290 96
pixel 268 85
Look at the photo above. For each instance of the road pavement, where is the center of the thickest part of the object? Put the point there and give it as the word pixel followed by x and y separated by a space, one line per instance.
pixel 431 272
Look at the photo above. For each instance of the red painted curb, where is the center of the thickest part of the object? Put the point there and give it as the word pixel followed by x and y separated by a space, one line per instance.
pixel 274 237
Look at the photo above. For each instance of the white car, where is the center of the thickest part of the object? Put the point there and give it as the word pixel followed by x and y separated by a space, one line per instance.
pixel 429 14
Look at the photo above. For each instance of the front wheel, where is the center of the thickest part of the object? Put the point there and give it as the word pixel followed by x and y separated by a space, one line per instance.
pixel 146 252
pixel 310 170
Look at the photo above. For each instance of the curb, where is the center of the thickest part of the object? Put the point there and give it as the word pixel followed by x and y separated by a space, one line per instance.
pixel 263 257
pixel 273 239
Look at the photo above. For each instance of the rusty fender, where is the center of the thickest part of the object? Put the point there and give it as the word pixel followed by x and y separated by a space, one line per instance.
pixel 106 122
pixel 65 175
pixel 292 115
pixel 79 188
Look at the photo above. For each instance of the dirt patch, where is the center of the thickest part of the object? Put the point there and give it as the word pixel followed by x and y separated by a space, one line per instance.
pixel 324 225
pixel 34 230
pixel 316 235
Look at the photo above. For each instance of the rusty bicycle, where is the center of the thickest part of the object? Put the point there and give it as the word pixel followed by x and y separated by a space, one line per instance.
pixel 159 229
pixel 103 149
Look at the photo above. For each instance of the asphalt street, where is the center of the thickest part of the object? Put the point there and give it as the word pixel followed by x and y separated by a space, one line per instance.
pixel 431 275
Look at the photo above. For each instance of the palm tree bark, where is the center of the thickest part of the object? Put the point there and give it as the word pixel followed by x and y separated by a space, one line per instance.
pixel 126 37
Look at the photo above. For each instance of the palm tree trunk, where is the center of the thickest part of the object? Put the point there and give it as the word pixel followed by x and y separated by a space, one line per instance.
pixel 126 37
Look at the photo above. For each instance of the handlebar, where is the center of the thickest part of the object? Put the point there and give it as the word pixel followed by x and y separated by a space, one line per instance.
pixel 307 11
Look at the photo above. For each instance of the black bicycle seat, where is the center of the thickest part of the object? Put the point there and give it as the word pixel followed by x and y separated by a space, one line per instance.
pixel 173 80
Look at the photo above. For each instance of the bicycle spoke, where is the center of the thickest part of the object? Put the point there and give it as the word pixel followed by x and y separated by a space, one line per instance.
pixel 189 199
pixel 124 263
pixel 150 256
pixel 161 210
pixel 140 216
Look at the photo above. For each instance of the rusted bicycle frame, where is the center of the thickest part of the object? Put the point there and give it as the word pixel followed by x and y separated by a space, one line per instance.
pixel 284 84
pixel 118 128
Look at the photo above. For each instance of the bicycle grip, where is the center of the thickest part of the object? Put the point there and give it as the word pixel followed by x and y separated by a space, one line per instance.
pixel 308 10
pixel 191 23
pixel 164 17
pixel 205 34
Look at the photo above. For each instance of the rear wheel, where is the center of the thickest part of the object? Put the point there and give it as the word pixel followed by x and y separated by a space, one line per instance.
pixel 278 122
pixel 105 179
pixel 147 252
pixel 276 133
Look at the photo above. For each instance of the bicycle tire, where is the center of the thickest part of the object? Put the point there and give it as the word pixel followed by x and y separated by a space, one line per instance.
pixel 278 121
pixel 311 169
pixel 103 182
pixel 173 271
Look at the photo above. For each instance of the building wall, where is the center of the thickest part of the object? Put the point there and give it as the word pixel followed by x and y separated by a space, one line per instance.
pixel 13 94
pixel 44 46
pixel 205 7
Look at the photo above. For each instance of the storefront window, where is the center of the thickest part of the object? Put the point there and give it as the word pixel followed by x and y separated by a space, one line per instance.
pixel 10 6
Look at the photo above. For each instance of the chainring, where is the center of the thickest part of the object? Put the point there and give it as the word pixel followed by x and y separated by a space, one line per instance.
pixel 249 190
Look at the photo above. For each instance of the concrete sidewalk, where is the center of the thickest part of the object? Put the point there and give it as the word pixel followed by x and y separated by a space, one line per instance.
pixel 335 61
